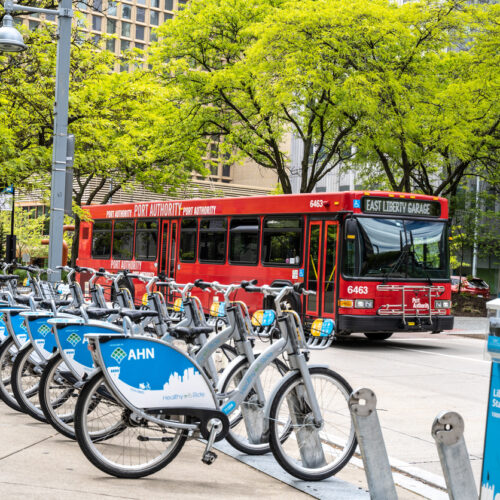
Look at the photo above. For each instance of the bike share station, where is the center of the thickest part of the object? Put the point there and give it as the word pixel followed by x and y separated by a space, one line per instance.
pixel 490 477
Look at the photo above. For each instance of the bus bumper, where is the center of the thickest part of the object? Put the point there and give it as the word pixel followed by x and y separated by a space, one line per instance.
pixel 365 324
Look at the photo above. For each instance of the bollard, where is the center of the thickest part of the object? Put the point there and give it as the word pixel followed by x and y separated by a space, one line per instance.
pixel 448 432
pixel 371 442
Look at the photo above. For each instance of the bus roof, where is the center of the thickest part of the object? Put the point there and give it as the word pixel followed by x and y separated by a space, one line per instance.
pixel 372 202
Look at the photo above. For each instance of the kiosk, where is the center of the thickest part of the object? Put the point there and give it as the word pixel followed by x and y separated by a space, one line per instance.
pixel 490 478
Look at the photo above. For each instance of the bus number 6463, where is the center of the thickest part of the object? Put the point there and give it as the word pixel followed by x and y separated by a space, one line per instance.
pixel 361 290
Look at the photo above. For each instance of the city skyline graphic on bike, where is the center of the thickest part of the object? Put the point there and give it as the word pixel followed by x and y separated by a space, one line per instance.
pixel 152 374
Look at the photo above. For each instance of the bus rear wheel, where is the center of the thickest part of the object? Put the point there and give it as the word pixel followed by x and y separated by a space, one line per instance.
pixel 378 335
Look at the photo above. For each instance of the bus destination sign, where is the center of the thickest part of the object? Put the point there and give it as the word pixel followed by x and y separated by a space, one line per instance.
pixel 393 206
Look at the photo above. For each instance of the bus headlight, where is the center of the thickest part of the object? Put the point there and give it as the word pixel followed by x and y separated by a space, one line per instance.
pixel 363 303
pixel 442 304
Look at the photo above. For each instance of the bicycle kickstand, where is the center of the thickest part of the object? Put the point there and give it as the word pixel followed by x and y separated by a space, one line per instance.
pixel 215 426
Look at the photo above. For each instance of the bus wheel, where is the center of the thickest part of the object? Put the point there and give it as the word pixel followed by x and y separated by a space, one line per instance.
pixel 378 336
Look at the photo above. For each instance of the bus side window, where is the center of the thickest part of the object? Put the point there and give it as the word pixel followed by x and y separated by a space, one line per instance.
pixel 101 239
pixel 244 241
pixel 146 240
pixel 123 239
pixel 187 245
pixel 213 240
pixel 282 241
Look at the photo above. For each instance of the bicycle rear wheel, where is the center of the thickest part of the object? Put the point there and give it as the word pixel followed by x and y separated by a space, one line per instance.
pixel 8 352
pixel 309 453
pixel 133 447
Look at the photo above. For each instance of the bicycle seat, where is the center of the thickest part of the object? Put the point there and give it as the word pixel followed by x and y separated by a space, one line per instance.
pixel 8 277
pixel 57 302
pixel 100 312
pixel 182 332
pixel 136 315
pixel 23 299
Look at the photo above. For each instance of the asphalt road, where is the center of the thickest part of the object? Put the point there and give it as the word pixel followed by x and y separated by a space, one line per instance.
pixel 416 376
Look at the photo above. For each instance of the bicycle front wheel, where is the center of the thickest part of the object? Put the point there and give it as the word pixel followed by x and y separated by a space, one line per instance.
pixel 8 353
pixel 312 453
pixel 132 447
pixel 57 396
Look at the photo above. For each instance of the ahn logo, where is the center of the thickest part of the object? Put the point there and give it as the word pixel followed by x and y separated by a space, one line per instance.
pixel 118 355
pixel 73 339
pixel 147 353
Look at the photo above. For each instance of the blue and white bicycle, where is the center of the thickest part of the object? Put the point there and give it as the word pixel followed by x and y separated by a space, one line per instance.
pixel 163 396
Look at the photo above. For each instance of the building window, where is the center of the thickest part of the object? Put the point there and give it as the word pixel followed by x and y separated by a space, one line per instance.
pixel 244 241
pixel 169 4
pixel 141 2
pixel 321 189
pixel 168 16
pixel 154 17
pixel 123 239
pixel 81 6
pixel 187 245
pixel 50 17
pixel 97 5
pixel 110 44
pixel 146 240
pixel 139 32
pixel 126 12
pixel 152 36
pixel 344 187
pixel 126 29
pixel 226 170
pixel 112 8
pixel 111 26
pixel 124 45
pixel 140 15
pixel 156 3
pixel 33 25
pixel 282 241
pixel 101 240
pixel 96 23
pixel 212 246
pixel 139 46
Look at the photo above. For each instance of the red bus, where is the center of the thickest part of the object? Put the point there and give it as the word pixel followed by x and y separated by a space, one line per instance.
pixel 379 261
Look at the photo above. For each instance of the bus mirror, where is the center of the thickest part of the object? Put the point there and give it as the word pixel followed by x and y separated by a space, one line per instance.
pixel 351 229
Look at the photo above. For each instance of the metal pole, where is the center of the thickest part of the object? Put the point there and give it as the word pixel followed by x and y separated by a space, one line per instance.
pixel 371 443
pixel 61 106
pixel 476 222
pixel 448 432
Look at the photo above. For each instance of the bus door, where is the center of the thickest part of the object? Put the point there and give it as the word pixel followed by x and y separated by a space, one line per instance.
pixel 168 256
pixel 322 268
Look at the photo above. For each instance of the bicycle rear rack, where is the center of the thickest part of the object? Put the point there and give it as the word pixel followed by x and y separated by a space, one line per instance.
pixel 424 312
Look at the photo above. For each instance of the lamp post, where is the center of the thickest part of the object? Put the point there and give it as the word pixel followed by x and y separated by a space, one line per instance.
pixel 12 41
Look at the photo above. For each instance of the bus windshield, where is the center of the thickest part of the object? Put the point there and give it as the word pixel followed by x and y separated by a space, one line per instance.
pixel 397 248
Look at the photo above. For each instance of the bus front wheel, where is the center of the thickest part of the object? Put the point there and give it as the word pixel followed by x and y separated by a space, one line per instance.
pixel 378 335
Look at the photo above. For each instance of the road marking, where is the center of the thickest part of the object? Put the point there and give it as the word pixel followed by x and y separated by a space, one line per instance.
pixel 440 354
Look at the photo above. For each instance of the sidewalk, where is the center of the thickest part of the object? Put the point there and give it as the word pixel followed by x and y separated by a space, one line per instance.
pixel 37 462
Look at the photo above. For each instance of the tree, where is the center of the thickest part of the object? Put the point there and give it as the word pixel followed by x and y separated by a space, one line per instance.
pixel 209 61
pixel 402 86
pixel 434 103
pixel 114 117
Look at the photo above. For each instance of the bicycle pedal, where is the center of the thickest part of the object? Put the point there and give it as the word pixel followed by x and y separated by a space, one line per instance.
pixel 209 457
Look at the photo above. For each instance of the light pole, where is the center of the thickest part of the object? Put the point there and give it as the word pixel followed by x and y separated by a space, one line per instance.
pixel 11 41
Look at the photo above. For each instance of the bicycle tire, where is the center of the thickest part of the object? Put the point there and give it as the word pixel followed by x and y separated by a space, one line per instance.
pixel 52 380
pixel 95 388
pixel 288 453
pixel 232 437
pixel 22 374
pixel 8 351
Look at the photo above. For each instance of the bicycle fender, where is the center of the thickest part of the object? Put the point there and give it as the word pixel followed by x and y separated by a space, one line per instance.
pixel 228 370
pixel 288 376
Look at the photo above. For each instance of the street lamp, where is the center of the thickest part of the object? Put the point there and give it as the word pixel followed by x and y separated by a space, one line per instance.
pixel 12 41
